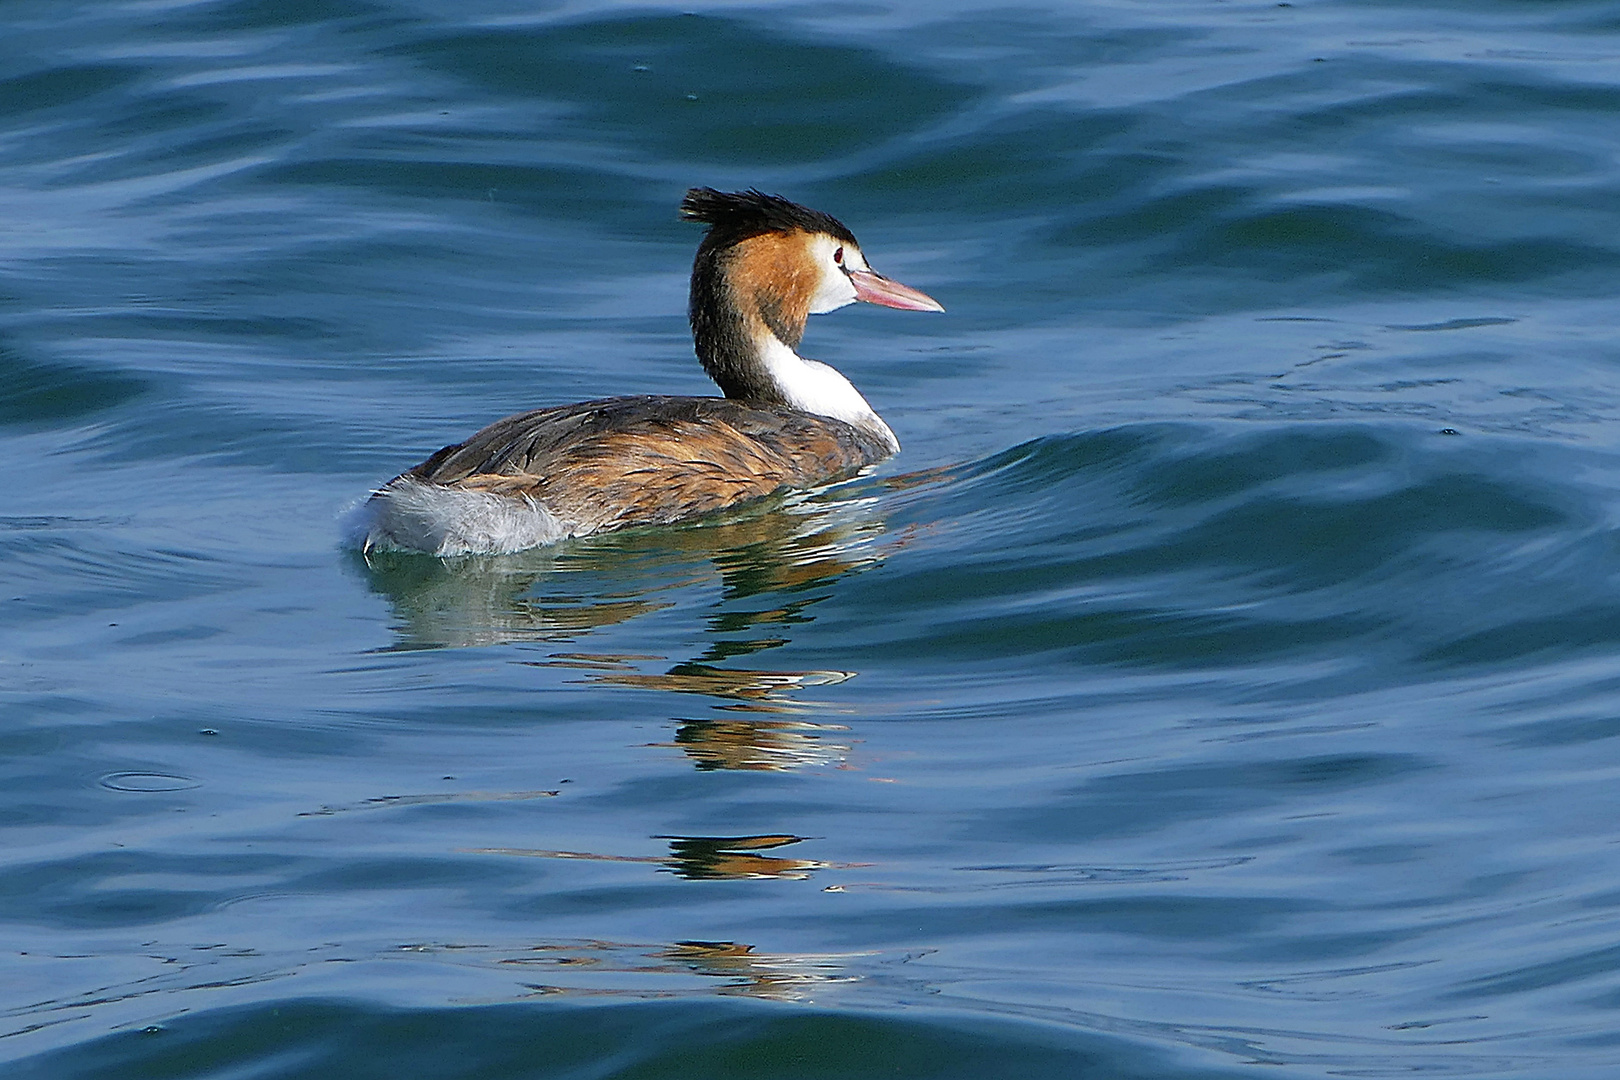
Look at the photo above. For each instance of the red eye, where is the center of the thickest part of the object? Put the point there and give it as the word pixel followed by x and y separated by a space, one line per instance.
pixel 838 256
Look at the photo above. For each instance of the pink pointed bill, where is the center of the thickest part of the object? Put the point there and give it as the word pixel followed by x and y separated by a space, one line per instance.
pixel 877 289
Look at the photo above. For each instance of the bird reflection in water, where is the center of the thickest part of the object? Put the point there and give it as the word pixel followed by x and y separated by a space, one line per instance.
pixel 722 858
pixel 704 858
pixel 758 745
pixel 770 561
pixel 584 968
pixel 742 971
pixel 773 564
pixel 775 976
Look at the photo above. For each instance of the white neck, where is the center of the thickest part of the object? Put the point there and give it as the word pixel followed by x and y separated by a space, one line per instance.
pixel 819 388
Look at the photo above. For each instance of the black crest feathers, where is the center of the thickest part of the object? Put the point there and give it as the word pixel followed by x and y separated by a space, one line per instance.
pixel 734 216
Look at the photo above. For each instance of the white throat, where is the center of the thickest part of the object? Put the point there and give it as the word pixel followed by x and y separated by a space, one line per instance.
pixel 819 388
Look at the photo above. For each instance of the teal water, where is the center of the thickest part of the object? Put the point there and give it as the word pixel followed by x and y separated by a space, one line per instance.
pixel 1223 681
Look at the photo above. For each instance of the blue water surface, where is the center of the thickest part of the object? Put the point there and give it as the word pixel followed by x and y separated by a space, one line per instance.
pixel 1224 680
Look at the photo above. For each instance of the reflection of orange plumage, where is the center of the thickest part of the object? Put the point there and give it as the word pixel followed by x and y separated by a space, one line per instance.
pixel 757 745
pixel 776 976
pixel 746 683
pixel 763 268
pixel 578 967
pixel 716 858
pixel 700 858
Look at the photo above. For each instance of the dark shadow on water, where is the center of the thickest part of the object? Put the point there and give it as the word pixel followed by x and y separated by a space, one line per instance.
pixel 684 87
pixel 36 393
pixel 295 1038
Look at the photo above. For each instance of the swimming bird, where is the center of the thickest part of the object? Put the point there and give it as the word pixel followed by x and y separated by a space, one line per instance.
pixel 763 267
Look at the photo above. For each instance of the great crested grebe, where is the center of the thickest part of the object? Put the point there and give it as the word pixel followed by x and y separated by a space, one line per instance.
pixel 764 266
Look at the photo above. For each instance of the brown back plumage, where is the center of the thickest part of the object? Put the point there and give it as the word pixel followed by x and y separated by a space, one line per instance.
pixel 650 460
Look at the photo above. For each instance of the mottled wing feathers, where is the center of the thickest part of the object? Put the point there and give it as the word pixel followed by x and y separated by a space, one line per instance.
pixel 649 460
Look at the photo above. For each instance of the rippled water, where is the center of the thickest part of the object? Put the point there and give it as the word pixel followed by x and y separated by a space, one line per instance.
pixel 1224 676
